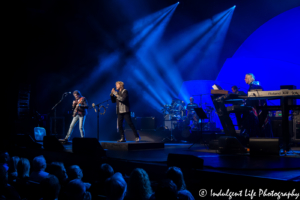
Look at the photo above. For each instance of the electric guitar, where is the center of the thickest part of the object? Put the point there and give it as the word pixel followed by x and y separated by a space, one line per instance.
pixel 76 108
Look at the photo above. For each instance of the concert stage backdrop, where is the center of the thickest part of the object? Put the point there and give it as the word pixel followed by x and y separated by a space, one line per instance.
pixel 160 49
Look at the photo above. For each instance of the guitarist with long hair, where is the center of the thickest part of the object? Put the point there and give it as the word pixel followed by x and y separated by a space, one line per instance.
pixel 79 107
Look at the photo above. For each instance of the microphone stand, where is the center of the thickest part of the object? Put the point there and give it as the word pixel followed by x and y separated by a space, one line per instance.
pixel 98 115
pixel 200 104
pixel 54 108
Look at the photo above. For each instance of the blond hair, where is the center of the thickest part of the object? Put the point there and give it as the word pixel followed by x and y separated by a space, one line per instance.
pixel 120 83
pixel 252 76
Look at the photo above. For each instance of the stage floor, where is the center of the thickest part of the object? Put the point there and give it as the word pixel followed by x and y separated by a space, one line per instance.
pixel 283 167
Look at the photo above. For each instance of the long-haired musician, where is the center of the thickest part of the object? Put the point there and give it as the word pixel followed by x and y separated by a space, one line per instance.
pixel 79 107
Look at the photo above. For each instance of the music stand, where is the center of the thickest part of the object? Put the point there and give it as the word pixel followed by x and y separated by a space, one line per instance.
pixel 202 115
pixel 171 138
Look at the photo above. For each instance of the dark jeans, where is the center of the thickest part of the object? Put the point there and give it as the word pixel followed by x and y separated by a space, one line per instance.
pixel 127 117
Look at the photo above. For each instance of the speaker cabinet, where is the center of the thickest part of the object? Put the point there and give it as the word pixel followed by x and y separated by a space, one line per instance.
pixel 51 143
pixel 184 161
pixel 87 146
pixel 264 146
pixel 229 144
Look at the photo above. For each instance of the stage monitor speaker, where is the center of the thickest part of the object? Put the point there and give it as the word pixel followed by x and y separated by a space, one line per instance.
pixel 264 146
pixel 87 146
pixel 184 161
pixel 51 143
pixel 229 144
pixel 26 141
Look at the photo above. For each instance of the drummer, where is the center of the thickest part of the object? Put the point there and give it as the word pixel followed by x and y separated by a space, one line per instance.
pixel 191 114
pixel 177 107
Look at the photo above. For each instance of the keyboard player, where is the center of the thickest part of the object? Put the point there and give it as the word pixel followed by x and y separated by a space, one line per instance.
pixel 256 122
pixel 235 90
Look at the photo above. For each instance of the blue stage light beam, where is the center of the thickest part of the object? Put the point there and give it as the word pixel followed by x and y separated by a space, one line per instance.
pixel 166 70
pixel 143 27
pixel 156 79
pixel 148 32
pixel 204 50
pixel 154 99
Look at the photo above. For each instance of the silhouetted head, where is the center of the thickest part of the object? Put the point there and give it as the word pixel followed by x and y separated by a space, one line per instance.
pixel 166 189
pixel 58 169
pixel 76 190
pixel 4 160
pixel 116 187
pixel 3 177
pixel 14 163
pixel 139 186
pixel 50 187
pixel 176 175
pixel 39 164
pixel 234 89
pixel 105 172
pixel 75 172
pixel 191 99
pixel 23 168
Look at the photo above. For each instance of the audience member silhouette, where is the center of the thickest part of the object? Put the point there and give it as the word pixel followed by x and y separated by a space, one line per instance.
pixel 176 175
pixel 98 187
pixel 21 184
pixel 6 190
pixel 116 187
pixel 4 160
pixel 38 166
pixel 50 188
pixel 13 173
pixel 55 183
pixel 23 168
pixel 75 172
pixel 139 186
pixel 58 169
pixel 166 189
pixel 76 190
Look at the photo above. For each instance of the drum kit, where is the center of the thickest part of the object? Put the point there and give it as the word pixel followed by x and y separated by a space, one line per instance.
pixel 179 116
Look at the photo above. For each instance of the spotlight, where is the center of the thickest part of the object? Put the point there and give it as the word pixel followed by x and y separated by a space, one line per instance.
pixel 234 6
pixel 178 2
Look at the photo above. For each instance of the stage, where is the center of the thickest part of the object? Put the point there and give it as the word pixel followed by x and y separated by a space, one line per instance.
pixel 283 167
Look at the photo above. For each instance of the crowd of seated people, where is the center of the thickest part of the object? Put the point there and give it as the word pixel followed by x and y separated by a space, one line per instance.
pixel 35 180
